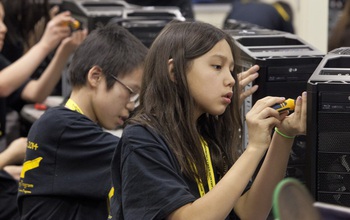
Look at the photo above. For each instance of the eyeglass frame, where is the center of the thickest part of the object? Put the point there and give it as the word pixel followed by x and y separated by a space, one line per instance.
pixel 133 95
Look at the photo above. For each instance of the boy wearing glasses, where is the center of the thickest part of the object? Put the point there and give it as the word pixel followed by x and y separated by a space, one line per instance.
pixel 66 173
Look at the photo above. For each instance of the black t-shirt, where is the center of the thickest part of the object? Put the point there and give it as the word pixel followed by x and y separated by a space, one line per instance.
pixel 66 173
pixel 147 178
pixel 8 195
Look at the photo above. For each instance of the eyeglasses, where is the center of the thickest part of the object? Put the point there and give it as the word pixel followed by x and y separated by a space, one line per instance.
pixel 133 95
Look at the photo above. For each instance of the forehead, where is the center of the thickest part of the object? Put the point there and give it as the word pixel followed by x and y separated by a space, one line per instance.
pixel 221 50
pixel 133 79
pixel 136 73
pixel 222 47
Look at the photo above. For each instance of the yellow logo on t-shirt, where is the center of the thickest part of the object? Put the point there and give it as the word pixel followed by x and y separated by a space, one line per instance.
pixel 29 165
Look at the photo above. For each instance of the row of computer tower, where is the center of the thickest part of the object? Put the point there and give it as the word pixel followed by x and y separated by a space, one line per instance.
pixel 328 129
pixel 288 66
pixel 142 21
pixel 286 63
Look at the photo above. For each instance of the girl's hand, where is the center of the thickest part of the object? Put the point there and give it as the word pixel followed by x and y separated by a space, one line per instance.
pixel 245 78
pixel 54 11
pixel 261 119
pixel 56 30
pixel 295 123
pixel 71 43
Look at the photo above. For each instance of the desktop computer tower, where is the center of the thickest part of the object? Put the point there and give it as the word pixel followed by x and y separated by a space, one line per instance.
pixel 94 13
pixel 328 129
pixel 146 22
pixel 286 63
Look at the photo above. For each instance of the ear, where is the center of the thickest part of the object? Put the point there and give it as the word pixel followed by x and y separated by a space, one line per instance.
pixel 94 76
pixel 171 69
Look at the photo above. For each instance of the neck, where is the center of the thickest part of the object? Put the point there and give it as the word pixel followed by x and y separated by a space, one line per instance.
pixel 81 97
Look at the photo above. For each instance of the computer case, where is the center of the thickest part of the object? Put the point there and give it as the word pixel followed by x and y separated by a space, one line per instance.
pixel 146 22
pixel 286 63
pixel 328 129
pixel 94 13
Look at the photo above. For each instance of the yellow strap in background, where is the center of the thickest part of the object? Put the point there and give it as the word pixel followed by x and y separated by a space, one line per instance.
pixel 73 106
pixel 282 12
pixel 209 166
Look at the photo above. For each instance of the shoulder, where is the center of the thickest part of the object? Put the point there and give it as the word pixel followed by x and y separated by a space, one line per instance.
pixel 140 142
pixel 61 116
pixel 142 136
pixel 60 124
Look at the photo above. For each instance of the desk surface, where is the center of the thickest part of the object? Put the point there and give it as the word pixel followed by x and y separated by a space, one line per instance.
pixel 31 114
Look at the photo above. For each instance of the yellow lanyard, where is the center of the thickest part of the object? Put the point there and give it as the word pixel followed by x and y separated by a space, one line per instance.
pixel 210 174
pixel 73 106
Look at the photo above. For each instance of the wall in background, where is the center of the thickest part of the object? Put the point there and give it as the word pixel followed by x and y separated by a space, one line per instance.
pixel 310 18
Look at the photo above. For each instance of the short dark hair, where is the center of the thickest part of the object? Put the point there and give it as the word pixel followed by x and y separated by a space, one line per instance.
pixel 111 47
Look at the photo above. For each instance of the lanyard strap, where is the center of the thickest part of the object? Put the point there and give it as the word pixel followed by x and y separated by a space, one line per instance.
pixel 73 106
pixel 209 166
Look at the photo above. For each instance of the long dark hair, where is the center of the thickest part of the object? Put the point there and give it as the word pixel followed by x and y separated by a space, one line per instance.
pixel 22 16
pixel 166 105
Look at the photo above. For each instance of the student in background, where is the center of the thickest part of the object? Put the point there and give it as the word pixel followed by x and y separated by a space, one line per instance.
pixel 16 88
pixel 273 16
pixel 180 156
pixel 26 22
pixel 340 34
pixel 66 173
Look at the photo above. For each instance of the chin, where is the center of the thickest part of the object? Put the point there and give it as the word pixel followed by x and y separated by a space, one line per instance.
pixel 217 112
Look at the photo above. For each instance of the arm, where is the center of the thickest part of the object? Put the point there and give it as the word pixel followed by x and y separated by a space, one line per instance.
pixel 38 90
pixel 218 202
pixel 17 73
pixel 14 153
pixel 275 163
pixel 14 171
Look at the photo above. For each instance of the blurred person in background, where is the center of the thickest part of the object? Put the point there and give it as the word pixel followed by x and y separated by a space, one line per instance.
pixel 340 34
pixel 17 88
pixel 275 16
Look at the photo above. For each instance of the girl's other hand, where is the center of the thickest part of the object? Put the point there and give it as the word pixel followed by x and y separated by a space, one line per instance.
pixel 245 78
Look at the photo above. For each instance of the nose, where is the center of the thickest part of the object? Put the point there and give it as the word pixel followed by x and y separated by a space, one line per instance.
pixel 229 80
pixel 3 28
pixel 131 106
